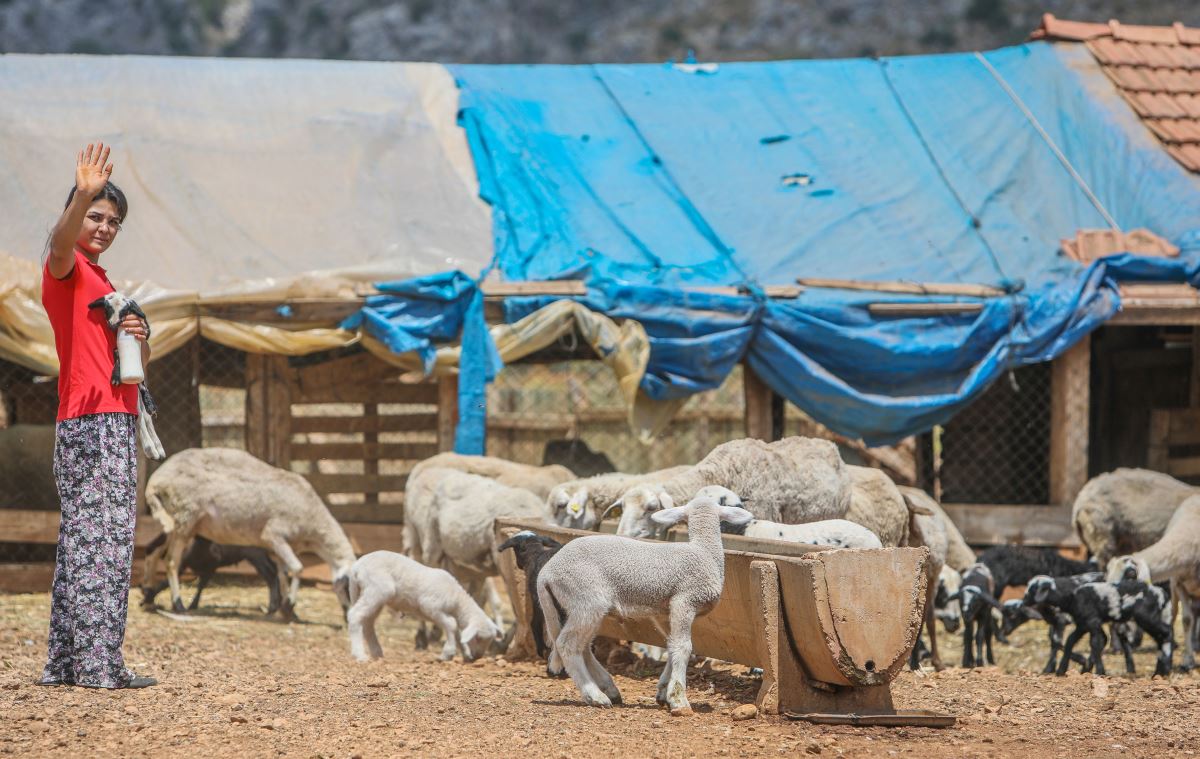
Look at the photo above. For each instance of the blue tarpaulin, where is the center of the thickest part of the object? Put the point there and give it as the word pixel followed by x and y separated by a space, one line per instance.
pixel 958 168
pixel 413 314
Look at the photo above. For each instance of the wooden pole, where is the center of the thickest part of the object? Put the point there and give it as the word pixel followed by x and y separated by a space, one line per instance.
pixel 447 412
pixel 912 288
pixel 1069 408
pixel 760 422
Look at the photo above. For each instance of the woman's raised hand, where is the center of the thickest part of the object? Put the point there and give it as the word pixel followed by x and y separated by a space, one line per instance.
pixel 92 170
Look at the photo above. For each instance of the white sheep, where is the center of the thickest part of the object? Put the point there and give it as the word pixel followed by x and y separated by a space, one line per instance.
pixel 385 578
pixel 793 480
pixel 448 523
pixel 230 497
pixel 594 576
pixel 538 480
pixel 836 533
pixel 1126 510
pixel 578 503
pixel 877 504
pixel 1175 557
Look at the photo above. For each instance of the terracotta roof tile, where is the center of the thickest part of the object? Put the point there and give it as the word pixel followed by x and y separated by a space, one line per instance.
pixel 1156 69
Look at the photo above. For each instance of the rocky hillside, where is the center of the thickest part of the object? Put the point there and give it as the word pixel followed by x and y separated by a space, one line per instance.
pixel 547 31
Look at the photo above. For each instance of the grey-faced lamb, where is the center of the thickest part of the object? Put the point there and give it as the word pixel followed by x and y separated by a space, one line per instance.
pixel 386 579
pixel 1094 604
pixel 532 551
pixel 793 480
pixel 594 576
pixel 229 496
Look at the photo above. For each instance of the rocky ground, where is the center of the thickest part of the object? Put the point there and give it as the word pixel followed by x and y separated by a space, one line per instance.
pixel 236 684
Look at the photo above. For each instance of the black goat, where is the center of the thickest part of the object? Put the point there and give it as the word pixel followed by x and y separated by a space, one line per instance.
pixel 1017 613
pixel 1013 566
pixel 1093 604
pixel 204 558
pixel 532 552
pixel 978 598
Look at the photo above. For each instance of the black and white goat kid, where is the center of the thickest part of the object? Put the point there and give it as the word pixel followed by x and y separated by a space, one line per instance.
pixel 978 599
pixel 1018 612
pixel 116 307
pixel 1094 604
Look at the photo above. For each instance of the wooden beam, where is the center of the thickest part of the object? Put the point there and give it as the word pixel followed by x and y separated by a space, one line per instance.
pixel 357 483
pixel 566 287
pixel 354 390
pixel 384 423
pixel 362 451
pixel 35 526
pixel 902 310
pixel 447 412
pixel 1070 385
pixel 758 399
pixel 987 524
pixel 912 288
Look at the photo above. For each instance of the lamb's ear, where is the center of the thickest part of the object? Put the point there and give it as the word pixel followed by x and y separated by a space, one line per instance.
pixel 467 634
pixel 667 501
pixel 668 517
pixel 1040 593
pixel 955 596
pixel 735 515
pixel 616 505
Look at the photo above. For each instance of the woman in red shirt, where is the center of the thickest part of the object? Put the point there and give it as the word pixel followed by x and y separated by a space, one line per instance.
pixel 95 450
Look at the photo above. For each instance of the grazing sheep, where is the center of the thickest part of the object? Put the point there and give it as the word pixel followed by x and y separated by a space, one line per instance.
pixel 538 480
pixel 978 599
pixel 204 558
pixel 578 504
pixel 1093 604
pixel 1017 613
pixel 877 504
pixel 592 577
pixel 228 496
pixel 448 523
pixel 1175 557
pixel 1126 510
pixel 793 480
pixel 532 551
pixel 385 578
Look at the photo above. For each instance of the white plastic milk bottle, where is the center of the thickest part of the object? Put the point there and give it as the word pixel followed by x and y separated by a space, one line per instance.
pixel 129 352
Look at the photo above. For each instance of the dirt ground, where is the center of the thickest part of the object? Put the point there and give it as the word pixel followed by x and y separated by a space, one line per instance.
pixel 236 684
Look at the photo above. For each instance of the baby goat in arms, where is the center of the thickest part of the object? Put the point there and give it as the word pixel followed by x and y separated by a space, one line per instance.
pixel 592 577
pixel 384 578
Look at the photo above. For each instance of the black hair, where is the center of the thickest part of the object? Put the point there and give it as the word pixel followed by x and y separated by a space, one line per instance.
pixel 110 192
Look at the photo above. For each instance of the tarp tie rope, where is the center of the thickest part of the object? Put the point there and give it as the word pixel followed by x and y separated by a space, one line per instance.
pixel 1049 142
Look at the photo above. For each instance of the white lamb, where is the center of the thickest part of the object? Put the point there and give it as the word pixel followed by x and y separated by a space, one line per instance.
pixel 538 480
pixel 578 503
pixel 230 497
pixel 793 480
pixel 1175 557
pixel 836 533
pixel 384 578
pixel 448 523
pixel 597 575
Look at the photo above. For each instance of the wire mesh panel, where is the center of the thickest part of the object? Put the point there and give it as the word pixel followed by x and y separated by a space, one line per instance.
pixel 534 409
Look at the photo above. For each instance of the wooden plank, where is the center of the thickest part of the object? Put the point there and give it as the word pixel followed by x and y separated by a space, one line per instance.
pixel 387 423
pixel 294 312
pixel 447 414
pixel 363 369
pixel 362 451
pixel 1069 408
pixel 557 287
pixel 1184 467
pixel 368 536
pixel 357 483
pixel 1157 312
pixel 1158 448
pixel 35 526
pixel 256 405
pixel 374 514
pixel 280 379
pixel 1183 426
pixel 895 286
pixel 370 437
pixel 26 578
pixel 353 391
pixel 901 310
pixel 988 524
pixel 758 405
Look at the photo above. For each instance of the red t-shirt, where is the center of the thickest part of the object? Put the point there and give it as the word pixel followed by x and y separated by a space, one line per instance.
pixel 84 342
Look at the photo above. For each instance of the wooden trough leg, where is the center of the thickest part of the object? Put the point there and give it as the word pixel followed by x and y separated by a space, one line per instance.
pixel 522 646
pixel 785 685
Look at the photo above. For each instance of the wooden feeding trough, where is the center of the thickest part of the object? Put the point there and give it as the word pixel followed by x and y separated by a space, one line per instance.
pixel 829 629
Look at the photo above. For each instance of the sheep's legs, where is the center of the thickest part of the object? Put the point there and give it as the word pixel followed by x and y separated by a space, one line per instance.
pixel 201 583
pixel 601 676
pixel 361 622
pixel 679 653
pixel 1162 635
pixel 1099 639
pixel 291 563
pixel 968 657
pixel 572 643
pixel 450 629
pixel 1125 648
pixel 149 570
pixel 175 547
pixel 931 626
pixel 1068 646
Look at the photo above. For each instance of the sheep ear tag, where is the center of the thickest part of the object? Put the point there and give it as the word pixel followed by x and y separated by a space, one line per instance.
pixel 575 505
pixel 735 515
pixel 673 515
